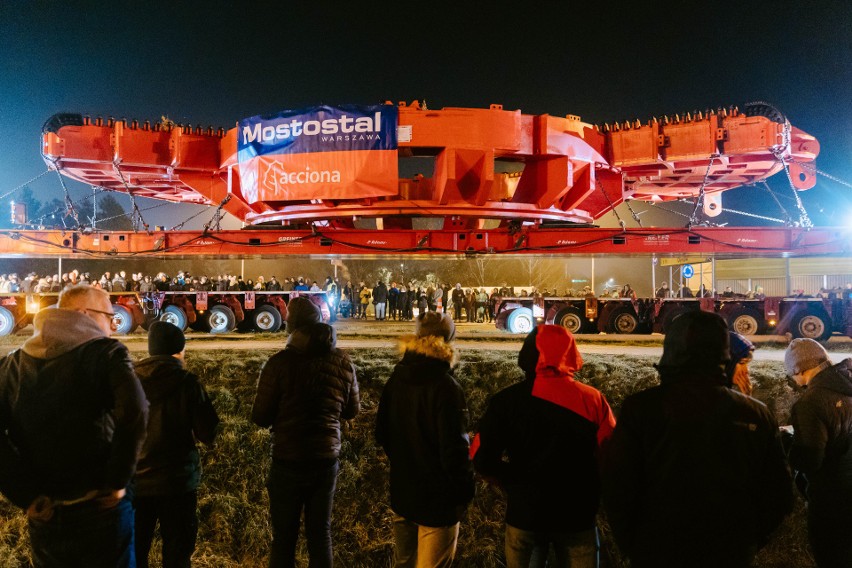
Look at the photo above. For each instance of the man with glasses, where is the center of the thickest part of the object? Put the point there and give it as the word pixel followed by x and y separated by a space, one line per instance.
pixel 72 422
pixel 820 454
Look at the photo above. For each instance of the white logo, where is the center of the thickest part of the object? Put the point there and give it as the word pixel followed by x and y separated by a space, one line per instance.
pixel 276 178
pixel 295 128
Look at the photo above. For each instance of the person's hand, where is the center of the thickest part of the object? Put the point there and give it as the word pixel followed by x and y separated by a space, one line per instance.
pixel 41 509
pixel 108 499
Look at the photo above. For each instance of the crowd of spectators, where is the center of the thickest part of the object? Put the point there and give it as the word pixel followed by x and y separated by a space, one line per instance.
pixel 394 301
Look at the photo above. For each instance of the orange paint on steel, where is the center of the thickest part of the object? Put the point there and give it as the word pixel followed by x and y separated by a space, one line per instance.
pixel 568 170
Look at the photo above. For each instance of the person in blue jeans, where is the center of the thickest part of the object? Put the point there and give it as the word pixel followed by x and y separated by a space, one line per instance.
pixel 539 440
pixel 72 422
pixel 304 393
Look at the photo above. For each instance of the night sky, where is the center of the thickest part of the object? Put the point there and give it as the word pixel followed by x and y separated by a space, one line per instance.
pixel 213 63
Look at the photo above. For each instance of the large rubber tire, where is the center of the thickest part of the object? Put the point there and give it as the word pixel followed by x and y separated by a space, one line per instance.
pixel 811 325
pixel 521 320
pixel 571 319
pixel 267 318
pixel 7 321
pixel 124 317
pixel 746 321
pixel 622 321
pixel 221 319
pixel 175 316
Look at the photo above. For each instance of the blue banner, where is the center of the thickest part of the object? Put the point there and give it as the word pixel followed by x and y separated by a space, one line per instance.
pixel 346 152
pixel 319 129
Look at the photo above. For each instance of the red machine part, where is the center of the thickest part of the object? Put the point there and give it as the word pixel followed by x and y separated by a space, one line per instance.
pixel 727 241
pixel 481 168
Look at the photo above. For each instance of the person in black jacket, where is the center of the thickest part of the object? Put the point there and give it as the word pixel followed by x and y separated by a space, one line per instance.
pixel 820 454
pixel 380 300
pixel 72 422
pixel 457 296
pixel 421 424
pixel 695 474
pixel 303 394
pixel 539 440
pixel 169 469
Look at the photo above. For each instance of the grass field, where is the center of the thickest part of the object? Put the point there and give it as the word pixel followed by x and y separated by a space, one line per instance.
pixel 233 506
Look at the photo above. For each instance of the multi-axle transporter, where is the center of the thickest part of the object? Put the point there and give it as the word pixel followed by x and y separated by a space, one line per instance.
pixel 814 318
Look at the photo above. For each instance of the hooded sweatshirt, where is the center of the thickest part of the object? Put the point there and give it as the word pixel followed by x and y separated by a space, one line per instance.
pixel 181 413
pixel 550 428
pixel 72 411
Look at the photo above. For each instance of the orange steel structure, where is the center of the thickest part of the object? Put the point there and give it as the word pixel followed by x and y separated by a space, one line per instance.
pixel 471 169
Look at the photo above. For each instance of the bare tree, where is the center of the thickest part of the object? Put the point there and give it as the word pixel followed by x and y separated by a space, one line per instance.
pixel 478 268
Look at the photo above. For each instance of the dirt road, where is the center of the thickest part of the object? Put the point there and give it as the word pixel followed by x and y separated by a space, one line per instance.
pixel 373 335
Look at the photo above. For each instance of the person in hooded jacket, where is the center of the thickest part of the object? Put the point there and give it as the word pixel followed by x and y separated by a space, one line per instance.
pixel 304 393
pixel 169 469
pixel 821 452
pixel 550 428
pixel 72 422
pixel 421 424
pixel 695 474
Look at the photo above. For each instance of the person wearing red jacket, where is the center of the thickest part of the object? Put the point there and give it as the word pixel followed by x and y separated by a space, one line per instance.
pixel 551 428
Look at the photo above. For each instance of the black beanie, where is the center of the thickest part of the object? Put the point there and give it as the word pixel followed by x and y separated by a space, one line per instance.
pixel 697 340
pixel 165 338
pixel 301 311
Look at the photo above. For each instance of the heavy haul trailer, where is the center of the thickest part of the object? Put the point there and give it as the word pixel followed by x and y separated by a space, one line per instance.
pixel 404 180
pixel 215 312
pixel 814 318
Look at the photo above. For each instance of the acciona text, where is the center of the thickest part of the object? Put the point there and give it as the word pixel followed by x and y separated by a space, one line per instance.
pixel 276 176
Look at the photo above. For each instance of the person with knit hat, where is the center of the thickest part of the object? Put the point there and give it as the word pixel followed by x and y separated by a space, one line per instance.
pixel 169 469
pixel 422 426
pixel 304 393
pixel 695 473
pixel 820 453
pixel 551 428
pixel 742 351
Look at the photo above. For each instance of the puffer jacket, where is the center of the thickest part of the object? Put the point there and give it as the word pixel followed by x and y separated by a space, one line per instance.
pixel 422 424
pixel 180 413
pixel 304 392
pixel 695 475
pixel 822 454
pixel 72 412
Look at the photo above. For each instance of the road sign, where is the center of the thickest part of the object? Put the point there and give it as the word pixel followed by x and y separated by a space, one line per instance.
pixel 687 271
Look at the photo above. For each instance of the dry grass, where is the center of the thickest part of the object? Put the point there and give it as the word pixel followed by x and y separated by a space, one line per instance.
pixel 234 530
